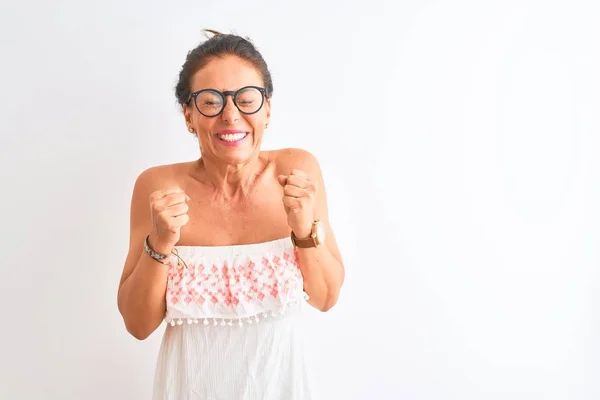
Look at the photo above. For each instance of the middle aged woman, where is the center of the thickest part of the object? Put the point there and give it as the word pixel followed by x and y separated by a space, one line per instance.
pixel 226 249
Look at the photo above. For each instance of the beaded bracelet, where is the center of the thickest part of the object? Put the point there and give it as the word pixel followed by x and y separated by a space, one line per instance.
pixel 161 257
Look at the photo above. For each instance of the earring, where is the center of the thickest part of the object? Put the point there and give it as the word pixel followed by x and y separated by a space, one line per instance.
pixel 266 125
pixel 191 130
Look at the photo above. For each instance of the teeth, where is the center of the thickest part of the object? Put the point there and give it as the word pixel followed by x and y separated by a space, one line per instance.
pixel 232 137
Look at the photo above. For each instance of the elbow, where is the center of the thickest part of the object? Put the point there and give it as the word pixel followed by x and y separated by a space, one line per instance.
pixel 329 302
pixel 141 336
pixel 326 307
pixel 139 329
pixel 139 332
pixel 333 294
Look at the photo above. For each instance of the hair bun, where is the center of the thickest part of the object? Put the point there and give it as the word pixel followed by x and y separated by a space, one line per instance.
pixel 211 31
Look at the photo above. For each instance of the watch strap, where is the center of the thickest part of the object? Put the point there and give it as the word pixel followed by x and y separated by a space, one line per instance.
pixel 304 243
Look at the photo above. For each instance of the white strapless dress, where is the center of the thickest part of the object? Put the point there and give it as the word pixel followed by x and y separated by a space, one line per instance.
pixel 233 329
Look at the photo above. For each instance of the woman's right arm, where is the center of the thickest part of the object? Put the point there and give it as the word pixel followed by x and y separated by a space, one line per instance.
pixel 141 294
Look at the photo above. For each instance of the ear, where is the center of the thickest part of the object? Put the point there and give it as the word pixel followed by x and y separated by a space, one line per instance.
pixel 268 109
pixel 187 114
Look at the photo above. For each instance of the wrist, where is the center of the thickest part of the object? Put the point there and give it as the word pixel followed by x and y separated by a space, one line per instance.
pixel 302 233
pixel 161 248
pixel 313 237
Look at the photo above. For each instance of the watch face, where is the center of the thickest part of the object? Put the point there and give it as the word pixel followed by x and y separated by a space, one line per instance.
pixel 320 232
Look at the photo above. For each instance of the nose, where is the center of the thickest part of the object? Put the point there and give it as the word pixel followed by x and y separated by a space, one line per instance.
pixel 230 113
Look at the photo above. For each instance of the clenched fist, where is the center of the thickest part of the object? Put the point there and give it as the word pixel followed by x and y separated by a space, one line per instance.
pixel 169 212
pixel 299 194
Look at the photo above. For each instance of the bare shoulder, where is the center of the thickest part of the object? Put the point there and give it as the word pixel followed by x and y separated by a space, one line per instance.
pixel 294 158
pixel 159 176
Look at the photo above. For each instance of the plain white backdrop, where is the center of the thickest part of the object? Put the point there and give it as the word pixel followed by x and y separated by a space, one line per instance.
pixel 460 143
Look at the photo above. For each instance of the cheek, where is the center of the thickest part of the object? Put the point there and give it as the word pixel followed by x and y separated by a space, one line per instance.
pixel 204 124
pixel 257 121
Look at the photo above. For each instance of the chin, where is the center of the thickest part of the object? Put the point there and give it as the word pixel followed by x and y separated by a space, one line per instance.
pixel 237 153
pixel 241 156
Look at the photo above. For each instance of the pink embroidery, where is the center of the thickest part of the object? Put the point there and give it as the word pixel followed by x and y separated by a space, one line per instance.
pixel 229 284
pixel 175 295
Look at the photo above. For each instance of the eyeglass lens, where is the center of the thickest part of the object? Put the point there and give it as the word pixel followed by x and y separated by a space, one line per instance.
pixel 248 101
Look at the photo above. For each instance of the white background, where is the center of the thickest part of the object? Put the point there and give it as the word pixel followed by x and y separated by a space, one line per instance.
pixel 460 146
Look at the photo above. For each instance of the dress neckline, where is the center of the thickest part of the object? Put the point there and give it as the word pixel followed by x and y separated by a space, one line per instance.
pixel 281 244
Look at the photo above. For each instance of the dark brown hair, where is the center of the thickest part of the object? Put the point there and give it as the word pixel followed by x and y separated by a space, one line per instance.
pixel 217 46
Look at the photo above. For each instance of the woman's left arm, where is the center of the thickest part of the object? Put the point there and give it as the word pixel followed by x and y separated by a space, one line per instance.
pixel 305 201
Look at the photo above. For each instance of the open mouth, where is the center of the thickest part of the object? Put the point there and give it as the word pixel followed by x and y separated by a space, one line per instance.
pixel 232 137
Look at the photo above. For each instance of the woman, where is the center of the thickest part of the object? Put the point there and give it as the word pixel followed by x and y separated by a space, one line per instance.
pixel 226 249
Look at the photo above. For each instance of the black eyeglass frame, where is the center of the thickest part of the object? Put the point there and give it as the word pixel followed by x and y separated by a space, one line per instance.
pixel 223 95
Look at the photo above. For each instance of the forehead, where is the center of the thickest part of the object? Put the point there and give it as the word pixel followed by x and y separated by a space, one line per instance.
pixel 226 73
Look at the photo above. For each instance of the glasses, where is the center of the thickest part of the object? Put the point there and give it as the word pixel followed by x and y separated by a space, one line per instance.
pixel 211 102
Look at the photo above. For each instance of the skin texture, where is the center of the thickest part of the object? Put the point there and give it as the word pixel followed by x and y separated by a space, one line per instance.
pixel 230 195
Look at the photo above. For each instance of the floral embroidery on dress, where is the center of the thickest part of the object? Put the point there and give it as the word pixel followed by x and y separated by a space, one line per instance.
pixel 238 287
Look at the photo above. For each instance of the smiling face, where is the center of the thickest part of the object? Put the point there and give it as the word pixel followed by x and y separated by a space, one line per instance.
pixel 231 137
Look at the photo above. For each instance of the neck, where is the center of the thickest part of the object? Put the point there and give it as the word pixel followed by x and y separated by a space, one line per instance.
pixel 230 180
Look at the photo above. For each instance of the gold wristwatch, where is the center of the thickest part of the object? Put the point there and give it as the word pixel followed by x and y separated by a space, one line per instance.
pixel 316 238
